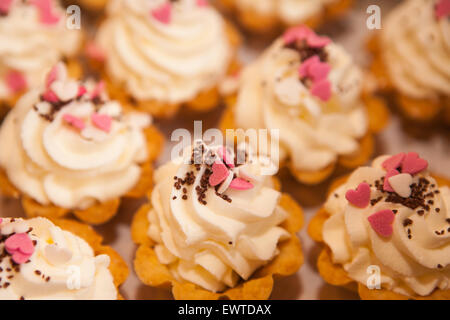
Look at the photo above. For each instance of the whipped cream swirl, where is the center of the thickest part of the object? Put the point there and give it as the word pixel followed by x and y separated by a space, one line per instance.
pixel 417 55
pixel 165 51
pixel 30 47
pixel 213 236
pixel 62 265
pixel 69 146
pixel 415 258
pixel 313 132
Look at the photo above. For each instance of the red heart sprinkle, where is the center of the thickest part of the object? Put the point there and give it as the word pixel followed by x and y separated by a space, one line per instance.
pixel 393 162
pixel 359 197
pixel 74 121
pixel 413 164
pixel 81 91
pixel 20 247
pixel 304 69
pixel 5 6
pixel 319 71
pixel 386 185
pixel 322 90
pixel 220 173
pixel 50 96
pixel 102 121
pixel 442 9
pixel 15 81
pixel 381 222
pixel 240 184
pixel 163 14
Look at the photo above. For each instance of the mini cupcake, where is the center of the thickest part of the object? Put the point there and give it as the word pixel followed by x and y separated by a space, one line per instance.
pixel 216 228
pixel 310 90
pixel 271 15
pixel 161 55
pixel 386 229
pixel 33 37
pixel 68 148
pixel 412 59
pixel 64 260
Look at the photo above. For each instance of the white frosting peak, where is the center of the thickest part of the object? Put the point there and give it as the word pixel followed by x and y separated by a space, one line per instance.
pixel 171 62
pixel 416 49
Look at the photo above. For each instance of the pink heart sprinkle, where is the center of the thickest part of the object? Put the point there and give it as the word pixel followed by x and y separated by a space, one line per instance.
pixel 240 184
pixel 359 197
pixel 45 11
pixel 304 69
pixel 301 32
pixel 52 76
pixel 442 9
pixel 413 164
pixel 296 33
pixel 50 96
pixel 99 88
pixel 15 81
pixel 381 222
pixel 20 246
pixel 220 173
pixel 102 121
pixel 321 89
pixel 94 52
pixel 387 185
pixel 163 14
pixel 5 5
pixel 81 91
pixel 319 71
pixel 316 41
pixel 74 121
pixel 393 162
pixel 202 3
pixel 226 157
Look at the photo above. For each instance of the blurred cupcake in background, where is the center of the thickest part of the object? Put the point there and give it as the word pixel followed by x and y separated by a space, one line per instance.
pixel 412 59
pixel 33 38
pixel 158 56
pixel 95 6
pixel 41 259
pixel 385 231
pixel 309 89
pixel 217 226
pixel 269 16
pixel 67 148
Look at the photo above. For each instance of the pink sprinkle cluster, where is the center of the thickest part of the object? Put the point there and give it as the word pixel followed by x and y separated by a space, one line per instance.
pixel 302 32
pixel 312 68
pixel 222 171
pixel 20 247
